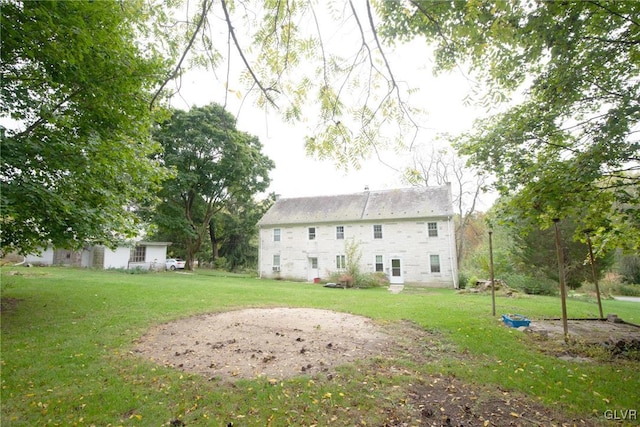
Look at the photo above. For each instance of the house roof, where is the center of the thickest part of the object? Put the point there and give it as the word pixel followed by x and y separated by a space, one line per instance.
pixel 405 203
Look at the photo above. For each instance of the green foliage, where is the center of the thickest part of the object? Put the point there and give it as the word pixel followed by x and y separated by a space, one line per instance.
pixel 353 256
pixel 532 285
pixel 463 280
pixel 536 254
pixel 478 262
pixel 76 85
pixel 630 269
pixel 611 286
pixel 372 280
pixel 628 290
pixel 571 146
pixel 237 232
pixel 215 164
pixel 220 263
pixel 526 255
pixel 296 64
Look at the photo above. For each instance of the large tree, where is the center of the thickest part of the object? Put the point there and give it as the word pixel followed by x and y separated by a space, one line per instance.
pixel 572 144
pixel 235 231
pixel 214 163
pixel 76 87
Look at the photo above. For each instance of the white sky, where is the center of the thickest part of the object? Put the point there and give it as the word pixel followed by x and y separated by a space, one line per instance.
pixel 296 174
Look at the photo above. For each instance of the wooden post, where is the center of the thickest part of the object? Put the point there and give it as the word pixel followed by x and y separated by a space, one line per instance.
pixel 563 291
pixel 493 287
pixel 593 271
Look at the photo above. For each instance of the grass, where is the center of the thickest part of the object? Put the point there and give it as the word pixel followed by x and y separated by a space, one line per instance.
pixel 67 336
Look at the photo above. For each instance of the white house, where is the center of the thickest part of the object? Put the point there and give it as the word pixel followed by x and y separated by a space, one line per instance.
pixel 406 233
pixel 147 255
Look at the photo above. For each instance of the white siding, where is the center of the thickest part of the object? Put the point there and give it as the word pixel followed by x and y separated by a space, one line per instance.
pixel 118 258
pixel 44 258
pixel 156 256
pixel 407 240
pixel 103 257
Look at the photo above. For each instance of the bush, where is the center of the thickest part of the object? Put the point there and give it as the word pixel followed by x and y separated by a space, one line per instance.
pixel 472 281
pixel 372 280
pixel 532 285
pixel 630 269
pixel 220 263
pixel 628 290
pixel 612 285
pixel 463 280
pixel 362 280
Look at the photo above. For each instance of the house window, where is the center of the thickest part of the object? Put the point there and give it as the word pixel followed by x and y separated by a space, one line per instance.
pixel 434 260
pixel 341 262
pixel 340 232
pixel 379 264
pixel 138 254
pixel 312 233
pixel 276 234
pixel 377 231
pixel 433 229
pixel 276 260
pixel 314 262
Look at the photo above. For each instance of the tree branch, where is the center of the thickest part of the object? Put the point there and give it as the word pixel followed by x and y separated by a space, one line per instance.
pixel 206 4
pixel 265 91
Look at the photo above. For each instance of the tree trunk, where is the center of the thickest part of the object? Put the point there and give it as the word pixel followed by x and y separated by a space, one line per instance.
pixel 192 248
pixel 214 242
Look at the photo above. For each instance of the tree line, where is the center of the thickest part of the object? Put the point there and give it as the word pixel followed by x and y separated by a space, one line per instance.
pixel 90 146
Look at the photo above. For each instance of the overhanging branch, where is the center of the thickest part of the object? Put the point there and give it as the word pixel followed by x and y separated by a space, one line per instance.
pixel 255 78
pixel 206 4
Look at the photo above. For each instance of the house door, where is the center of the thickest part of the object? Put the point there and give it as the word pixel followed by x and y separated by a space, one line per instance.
pixel 396 271
pixel 312 270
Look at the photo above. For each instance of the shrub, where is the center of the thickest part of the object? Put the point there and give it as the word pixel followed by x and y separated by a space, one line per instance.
pixel 472 281
pixel 334 276
pixel 220 263
pixel 612 285
pixel 361 280
pixel 630 269
pixel 346 279
pixel 628 290
pixel 531 285
pixel 372 280
pixel 463 280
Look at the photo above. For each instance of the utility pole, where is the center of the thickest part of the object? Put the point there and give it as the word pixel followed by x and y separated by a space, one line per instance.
pixel 563 291
pixel 493 286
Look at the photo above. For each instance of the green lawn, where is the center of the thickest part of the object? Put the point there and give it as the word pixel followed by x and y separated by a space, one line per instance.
pixel 67 336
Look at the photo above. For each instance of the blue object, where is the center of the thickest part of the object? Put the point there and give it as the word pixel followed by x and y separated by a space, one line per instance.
pixel 515 320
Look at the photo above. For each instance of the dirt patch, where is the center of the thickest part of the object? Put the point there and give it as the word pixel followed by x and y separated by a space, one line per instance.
pixel 276 343
pixel 279 343
pixel 8 304
pixel 447 401
pixel 593 331
pixel 588 340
